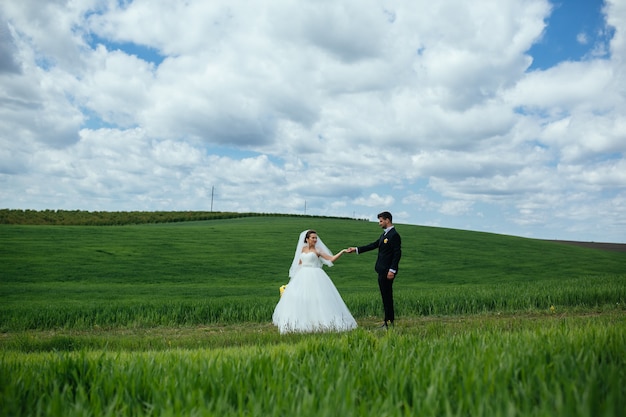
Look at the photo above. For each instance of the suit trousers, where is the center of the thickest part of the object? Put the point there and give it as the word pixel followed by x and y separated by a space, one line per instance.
pixel 386 292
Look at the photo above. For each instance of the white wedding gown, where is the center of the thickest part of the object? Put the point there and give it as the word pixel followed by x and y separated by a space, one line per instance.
pixel 311 303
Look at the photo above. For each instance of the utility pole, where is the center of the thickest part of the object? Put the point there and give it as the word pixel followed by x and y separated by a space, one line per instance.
pixel 305 207
pixel 212 190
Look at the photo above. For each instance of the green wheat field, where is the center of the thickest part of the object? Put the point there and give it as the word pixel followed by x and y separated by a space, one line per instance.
pixel 174 319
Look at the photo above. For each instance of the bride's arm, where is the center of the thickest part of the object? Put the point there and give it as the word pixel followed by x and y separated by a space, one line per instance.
pixel 332 258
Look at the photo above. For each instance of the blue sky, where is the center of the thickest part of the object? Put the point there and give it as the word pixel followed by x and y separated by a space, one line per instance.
pixel 503 117
pixel 574 29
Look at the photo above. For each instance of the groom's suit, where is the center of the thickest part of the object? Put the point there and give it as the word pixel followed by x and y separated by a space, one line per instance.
pixel 389 252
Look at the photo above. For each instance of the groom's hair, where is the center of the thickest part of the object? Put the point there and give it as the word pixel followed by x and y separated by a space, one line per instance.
pixel 385 215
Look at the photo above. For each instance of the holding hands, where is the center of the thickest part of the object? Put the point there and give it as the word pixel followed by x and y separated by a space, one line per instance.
pixel 338 254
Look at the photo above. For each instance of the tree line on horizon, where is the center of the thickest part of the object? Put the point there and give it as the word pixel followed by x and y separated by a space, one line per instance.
pixel 114 218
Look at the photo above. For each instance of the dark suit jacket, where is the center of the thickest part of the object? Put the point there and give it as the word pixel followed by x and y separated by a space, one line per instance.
pixel 389 251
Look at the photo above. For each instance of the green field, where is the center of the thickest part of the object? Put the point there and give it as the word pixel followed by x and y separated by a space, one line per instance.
pixel 175 319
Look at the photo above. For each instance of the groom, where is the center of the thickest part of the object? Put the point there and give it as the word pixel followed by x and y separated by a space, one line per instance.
pixel 389 247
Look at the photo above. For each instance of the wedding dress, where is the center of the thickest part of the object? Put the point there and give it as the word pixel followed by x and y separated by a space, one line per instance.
pixel 311 303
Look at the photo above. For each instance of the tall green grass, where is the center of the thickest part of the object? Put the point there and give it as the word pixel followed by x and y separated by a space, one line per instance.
pixel 580 293
pixel 558 367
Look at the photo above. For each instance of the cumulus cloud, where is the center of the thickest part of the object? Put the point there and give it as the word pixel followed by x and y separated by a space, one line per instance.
pixel 427 110
pixel 8 63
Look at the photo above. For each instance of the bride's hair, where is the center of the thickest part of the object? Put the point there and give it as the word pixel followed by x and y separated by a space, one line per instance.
pixel 309 233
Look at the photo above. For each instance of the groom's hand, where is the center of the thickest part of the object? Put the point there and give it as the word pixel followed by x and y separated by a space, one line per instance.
pixel 350 250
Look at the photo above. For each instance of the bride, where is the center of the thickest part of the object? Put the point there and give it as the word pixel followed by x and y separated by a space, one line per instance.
pixel 311 302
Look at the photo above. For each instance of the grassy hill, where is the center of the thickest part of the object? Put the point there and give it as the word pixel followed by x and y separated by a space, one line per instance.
pixel 229 270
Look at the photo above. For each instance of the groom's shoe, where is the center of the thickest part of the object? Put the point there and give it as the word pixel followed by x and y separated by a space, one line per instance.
pixel 386 325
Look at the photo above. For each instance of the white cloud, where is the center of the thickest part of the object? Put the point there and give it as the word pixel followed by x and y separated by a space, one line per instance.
pixel 568 86
pixel 427 110
pixel 8 62
pixel 375 200
pixel 116 87
pixel 456 208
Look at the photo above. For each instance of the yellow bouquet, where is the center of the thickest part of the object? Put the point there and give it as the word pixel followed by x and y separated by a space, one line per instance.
pixel 282 289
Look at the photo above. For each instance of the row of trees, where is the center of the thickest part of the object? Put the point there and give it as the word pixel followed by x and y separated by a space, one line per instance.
pixel 112 218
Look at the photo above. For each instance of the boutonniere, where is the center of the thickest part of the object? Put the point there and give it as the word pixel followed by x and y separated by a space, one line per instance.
pixel 386 240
